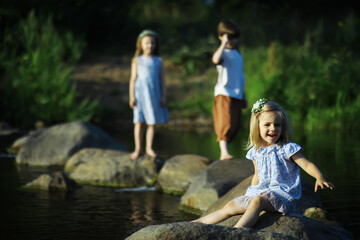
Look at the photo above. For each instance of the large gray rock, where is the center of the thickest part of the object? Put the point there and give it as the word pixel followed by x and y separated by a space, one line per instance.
pixel 297 227
pixel 179 171
pixel 199 231
pixel 54 145
pixel 308 198
pixel 112 168
pixel 270 226
pixel 213 182
pixel 238 190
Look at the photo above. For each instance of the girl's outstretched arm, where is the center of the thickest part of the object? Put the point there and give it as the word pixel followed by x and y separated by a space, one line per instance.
pixel 133 77
pixel 312 170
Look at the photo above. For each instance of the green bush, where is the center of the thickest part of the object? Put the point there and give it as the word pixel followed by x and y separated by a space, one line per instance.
pixel 37 66
pixel 196 98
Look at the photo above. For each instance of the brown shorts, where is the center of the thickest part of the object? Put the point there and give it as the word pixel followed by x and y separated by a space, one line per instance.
pixel 227 116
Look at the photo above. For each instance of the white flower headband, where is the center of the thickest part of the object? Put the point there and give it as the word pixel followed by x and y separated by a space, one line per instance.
pixel 258 105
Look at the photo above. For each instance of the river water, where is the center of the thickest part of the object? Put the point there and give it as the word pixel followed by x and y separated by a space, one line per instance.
pixel 109 213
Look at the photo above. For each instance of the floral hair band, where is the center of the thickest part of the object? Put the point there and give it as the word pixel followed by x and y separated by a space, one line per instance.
pixel 148 32
pixel 258 105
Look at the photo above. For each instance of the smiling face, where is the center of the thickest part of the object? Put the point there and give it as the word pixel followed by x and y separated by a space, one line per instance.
pixel 148 44
pixel 270 127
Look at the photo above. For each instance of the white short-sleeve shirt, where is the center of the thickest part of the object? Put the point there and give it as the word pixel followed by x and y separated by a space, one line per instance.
pixel 231 78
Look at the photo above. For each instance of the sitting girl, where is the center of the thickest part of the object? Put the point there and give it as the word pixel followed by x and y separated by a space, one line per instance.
pixel 276 184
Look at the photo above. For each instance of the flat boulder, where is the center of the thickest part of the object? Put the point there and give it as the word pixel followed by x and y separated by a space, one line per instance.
pixel 112 168
pixel 269 226
pixel 179 171
pixel 199 231
pixel 55 145
pixel 297 227
pixel 213 182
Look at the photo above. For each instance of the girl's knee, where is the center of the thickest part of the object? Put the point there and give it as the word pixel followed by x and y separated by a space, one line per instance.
pixel 256 202
pixel 262 203
pixel 232 208
pixel 230 204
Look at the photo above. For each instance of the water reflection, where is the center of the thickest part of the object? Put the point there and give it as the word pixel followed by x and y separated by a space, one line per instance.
pixel 142 210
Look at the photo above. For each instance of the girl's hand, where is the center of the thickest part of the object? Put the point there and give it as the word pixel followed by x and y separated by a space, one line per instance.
pixel 321 182
pixel 132 103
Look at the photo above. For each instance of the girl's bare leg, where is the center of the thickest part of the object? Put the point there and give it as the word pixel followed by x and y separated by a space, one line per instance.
pixel 150 133
pixel 230 209
pixel 139 129
pixel 258 204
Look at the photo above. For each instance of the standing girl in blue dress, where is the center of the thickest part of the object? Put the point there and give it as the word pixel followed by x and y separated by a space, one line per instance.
pixel 276 184
pixel 147 91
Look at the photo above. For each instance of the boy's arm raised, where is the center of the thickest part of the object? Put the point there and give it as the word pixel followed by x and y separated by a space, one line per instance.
pixel 216 58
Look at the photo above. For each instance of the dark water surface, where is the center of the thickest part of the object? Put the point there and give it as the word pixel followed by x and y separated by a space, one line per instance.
pixel 107 213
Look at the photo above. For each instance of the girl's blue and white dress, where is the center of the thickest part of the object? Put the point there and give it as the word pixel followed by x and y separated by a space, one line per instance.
pixel 148 92
pixel 279 177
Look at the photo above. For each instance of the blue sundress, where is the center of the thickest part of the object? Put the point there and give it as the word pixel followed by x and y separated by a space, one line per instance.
pixel 279 177
pixel 148 92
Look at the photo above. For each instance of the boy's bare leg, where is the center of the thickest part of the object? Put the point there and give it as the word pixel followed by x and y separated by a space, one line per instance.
pixel 224 151
pixel 139 129
pixel 150 133
pixel 230 209
pixel 258 204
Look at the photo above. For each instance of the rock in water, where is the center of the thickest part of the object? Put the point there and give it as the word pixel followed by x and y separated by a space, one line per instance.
pixel 111 168
pixel 50 182
pixel 213 182
pixel 55 145
pixel 179 171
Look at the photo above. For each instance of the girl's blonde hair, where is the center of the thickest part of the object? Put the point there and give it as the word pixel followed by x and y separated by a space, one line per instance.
pixel 254 136
pixel 139 50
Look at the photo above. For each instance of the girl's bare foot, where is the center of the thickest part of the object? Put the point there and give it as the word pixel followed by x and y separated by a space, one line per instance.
pixel 226 157
pixel 135 155
pixel 151 153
